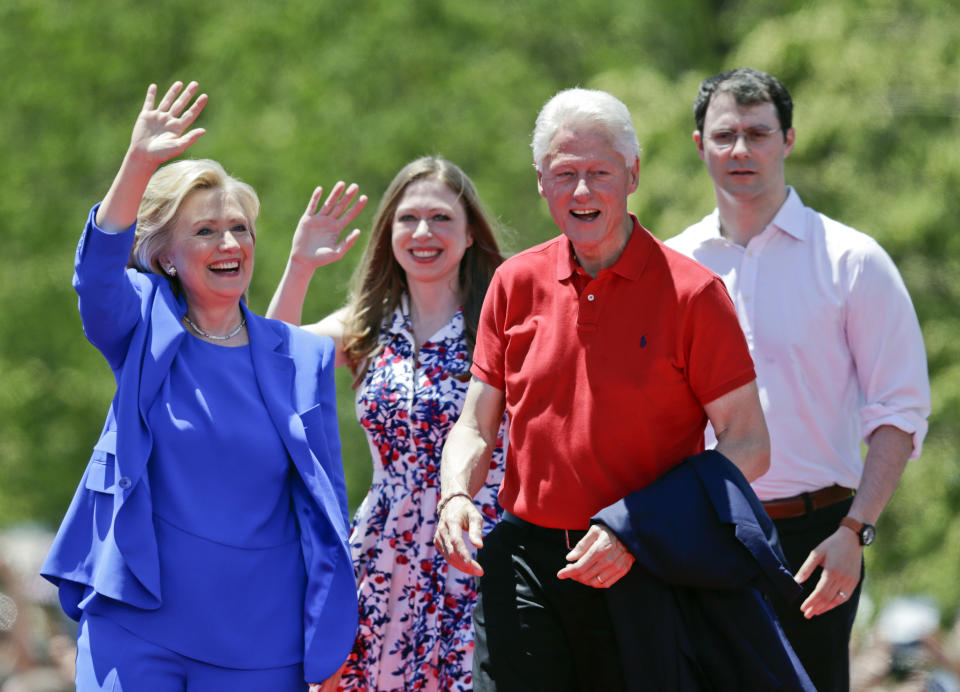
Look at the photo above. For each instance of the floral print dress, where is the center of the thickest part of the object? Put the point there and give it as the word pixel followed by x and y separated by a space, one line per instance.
pixel 416 628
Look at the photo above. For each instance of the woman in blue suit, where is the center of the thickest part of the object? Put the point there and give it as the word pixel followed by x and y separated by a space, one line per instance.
pixel 206 546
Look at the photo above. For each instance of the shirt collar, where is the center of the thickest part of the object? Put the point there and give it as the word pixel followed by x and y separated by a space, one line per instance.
pixel 399 321
pixel 630 263
pixel 401 324
pixel 790 218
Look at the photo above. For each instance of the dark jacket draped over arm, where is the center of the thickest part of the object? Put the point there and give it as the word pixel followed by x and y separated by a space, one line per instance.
pixel 693 612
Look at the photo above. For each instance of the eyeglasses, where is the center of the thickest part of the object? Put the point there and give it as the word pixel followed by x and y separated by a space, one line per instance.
pixel 725 139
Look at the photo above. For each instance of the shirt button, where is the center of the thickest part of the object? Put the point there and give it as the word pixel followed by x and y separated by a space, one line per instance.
pixel 591 297
pixel 124 483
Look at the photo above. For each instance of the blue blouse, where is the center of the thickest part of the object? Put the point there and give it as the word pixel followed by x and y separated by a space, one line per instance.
pixel 232 571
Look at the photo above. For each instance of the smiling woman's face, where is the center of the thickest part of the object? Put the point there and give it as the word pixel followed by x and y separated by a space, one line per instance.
pixel 211 247
pixel 430 233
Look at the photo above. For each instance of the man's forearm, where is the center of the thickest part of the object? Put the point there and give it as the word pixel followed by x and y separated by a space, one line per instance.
pixel 883 466
pixel 465 461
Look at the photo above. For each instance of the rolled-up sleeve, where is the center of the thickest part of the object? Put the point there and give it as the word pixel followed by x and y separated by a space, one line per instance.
pixel 887 348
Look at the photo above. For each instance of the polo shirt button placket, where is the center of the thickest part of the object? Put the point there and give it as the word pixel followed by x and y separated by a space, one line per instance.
pixel 589 307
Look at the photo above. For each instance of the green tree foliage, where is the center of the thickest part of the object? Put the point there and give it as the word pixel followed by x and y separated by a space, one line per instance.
pixel 877 107
pixel 302 93
pixel 306 92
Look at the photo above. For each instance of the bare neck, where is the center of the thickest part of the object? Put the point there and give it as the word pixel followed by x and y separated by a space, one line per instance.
pixel 594 258
pixel 218 319
pixel 742 220
pixel 431 307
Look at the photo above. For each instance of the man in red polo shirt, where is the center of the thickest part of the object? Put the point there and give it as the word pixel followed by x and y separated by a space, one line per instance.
pixel 609 352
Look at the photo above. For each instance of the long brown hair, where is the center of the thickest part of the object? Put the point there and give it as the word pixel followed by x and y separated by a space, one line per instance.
pixel 379 281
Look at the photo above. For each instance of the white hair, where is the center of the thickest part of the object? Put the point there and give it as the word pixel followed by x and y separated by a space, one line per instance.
pixel 590 108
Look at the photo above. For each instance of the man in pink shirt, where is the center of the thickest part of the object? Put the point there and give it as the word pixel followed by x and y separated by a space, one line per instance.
pixel 837 349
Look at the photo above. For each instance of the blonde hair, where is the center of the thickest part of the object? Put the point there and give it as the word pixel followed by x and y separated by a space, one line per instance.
pixel 160 207
pixel 379 281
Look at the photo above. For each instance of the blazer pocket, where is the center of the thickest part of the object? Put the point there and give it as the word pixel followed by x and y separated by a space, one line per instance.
pixel 100 470
pixel 313 425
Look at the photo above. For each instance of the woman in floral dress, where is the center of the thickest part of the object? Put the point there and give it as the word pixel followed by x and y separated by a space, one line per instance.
pixel 407 333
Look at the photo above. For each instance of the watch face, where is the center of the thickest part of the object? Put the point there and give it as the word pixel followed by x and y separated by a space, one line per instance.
pixel 867 534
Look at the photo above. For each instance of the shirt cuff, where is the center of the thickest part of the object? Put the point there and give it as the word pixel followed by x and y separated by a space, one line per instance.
pixel 910 422
pixel 488 377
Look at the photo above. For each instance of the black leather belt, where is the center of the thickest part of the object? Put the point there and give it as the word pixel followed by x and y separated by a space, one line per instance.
pixel 565 537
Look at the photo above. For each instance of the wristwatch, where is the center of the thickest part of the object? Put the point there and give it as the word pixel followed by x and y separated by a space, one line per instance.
pixel 865 532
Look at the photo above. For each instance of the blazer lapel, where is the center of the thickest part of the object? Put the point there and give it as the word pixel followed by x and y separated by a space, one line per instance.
pixel 162 338
pixel 275 371
pixel 166 333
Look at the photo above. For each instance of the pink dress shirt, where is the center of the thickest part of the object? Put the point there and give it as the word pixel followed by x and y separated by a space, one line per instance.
pixel 834 338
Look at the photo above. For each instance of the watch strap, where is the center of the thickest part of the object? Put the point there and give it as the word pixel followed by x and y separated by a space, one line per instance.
pixel 852 524
pixel 865 532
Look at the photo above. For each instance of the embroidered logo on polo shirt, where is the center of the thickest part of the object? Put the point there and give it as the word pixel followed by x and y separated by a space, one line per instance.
pixel 643 341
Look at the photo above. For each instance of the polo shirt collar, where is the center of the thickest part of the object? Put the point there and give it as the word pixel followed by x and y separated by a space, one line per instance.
pixel 630 264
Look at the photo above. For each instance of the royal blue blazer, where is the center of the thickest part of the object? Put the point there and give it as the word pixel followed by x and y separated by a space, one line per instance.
pixel 106 543
pixel 693 613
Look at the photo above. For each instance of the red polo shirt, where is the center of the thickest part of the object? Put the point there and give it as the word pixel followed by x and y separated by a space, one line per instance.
pixel 605 379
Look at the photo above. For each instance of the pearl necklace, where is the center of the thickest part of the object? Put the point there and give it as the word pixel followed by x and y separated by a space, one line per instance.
pixel 214 336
